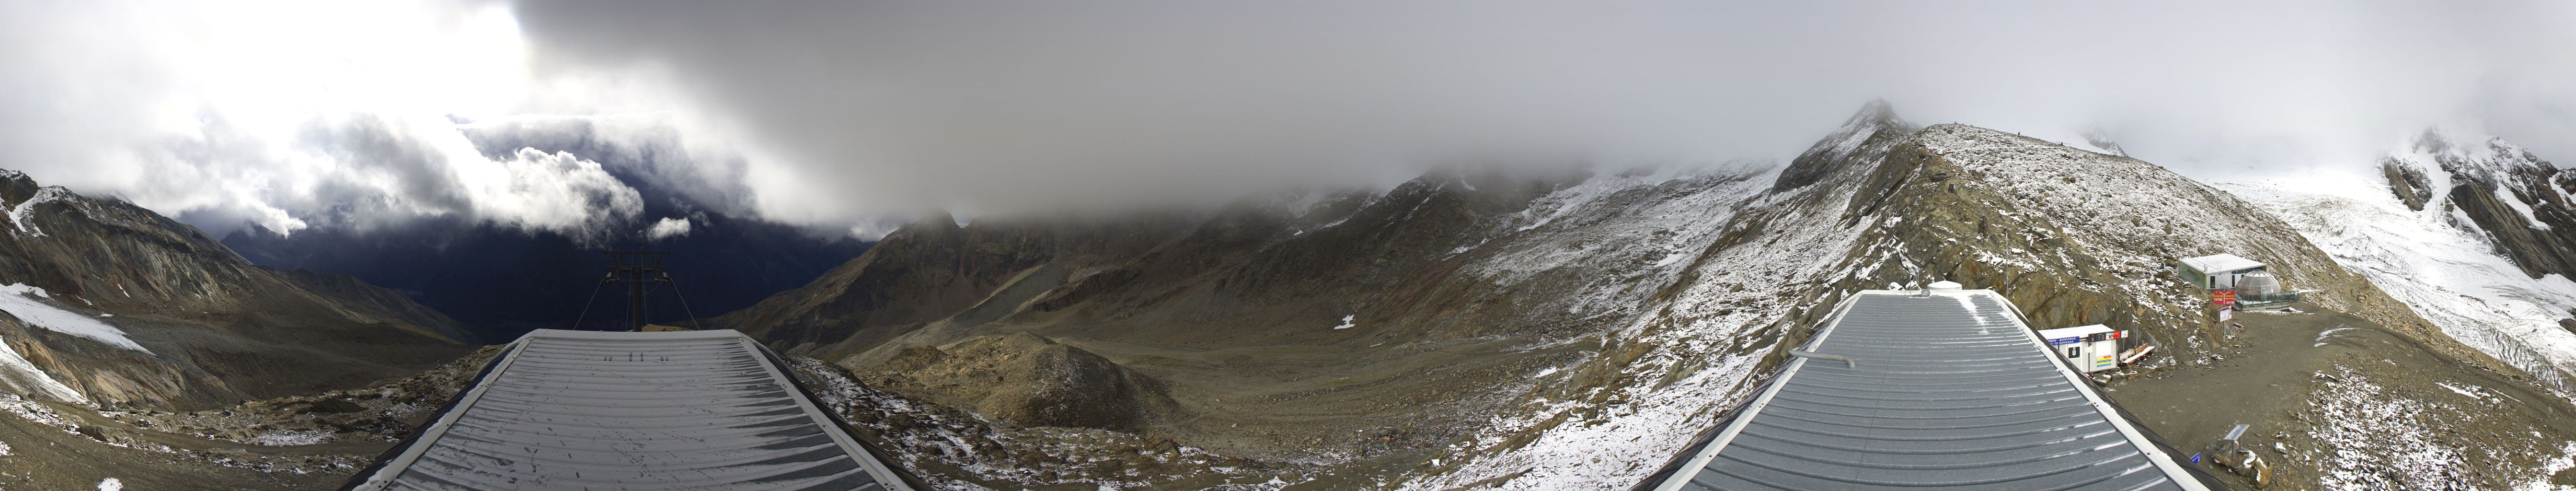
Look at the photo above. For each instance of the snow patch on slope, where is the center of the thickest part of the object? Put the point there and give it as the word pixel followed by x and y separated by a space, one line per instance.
pixel 19 375
pixel 2449 275
pixel 19 214
pixel 15 299
pixel 290 438
pixel 2566 460
pixel 2514 201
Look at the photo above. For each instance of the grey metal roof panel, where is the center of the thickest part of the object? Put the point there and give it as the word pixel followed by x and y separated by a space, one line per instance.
pixel 1951 390
pixel 696 410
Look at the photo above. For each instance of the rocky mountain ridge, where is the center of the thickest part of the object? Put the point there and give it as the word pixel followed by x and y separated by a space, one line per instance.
pixel 2520 202
pixel 124 306
pixel 1482 328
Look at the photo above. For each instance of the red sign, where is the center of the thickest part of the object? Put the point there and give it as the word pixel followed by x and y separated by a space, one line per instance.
pixel 2222 297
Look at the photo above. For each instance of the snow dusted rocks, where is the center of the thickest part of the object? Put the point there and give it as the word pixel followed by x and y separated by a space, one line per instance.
pixel 1517 331
pixel 2070 235
pixel 1863 140
pixel 2482 277
pixel 2500 190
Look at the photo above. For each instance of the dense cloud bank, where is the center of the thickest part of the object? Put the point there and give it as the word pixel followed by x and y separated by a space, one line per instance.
pixel 853 115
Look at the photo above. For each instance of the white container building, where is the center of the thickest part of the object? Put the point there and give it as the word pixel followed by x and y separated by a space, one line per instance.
pixel 2091 348
pixel 2216 272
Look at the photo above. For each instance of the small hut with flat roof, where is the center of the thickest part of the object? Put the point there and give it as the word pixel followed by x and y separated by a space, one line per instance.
pixel 2216 272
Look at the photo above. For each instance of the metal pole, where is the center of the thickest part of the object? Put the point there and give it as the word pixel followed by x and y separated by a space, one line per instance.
pixel 635 299
pixel 635 273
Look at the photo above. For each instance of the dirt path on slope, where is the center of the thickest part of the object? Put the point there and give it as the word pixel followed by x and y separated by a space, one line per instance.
pixel 2337 402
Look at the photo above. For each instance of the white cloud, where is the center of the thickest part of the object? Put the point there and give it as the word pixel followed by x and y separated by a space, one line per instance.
pixel 1012 107
pixel 843 115
pixel 299 113
pixel 876 229
pixel 667 228
pixel 540 191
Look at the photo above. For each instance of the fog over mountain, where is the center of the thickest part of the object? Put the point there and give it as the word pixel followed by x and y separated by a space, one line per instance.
pixel 858 116
pixel 1182 245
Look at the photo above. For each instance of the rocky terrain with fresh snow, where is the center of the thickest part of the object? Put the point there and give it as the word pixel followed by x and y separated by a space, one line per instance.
pixel 2470 235
pixel 1479 328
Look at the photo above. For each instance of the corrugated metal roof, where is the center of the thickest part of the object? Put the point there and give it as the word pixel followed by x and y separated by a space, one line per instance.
pixel 2220 263
pixel 1949 391
pixel 696 410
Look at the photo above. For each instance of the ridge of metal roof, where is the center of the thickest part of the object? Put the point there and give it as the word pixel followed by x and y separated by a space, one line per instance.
pixel 698 410
pixel 2015 417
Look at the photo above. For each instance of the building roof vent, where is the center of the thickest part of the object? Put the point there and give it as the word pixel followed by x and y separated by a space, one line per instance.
pixel 1944 285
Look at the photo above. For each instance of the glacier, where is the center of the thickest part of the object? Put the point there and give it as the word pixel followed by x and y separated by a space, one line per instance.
pixel 15 298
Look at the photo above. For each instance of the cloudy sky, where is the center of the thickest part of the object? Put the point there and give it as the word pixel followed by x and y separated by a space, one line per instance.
pixel 853 115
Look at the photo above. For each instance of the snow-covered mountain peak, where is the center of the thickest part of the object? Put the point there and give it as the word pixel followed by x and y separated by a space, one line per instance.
pixel 2491 162
pixel 1868 135
pixel 2493 189
pixel 1874 112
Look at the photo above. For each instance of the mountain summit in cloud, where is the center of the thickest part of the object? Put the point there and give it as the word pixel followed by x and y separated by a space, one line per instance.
pixel 1184 245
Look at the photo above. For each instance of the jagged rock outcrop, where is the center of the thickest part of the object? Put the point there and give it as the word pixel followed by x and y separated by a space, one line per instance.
pixel 206 327
pixel 2514 198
